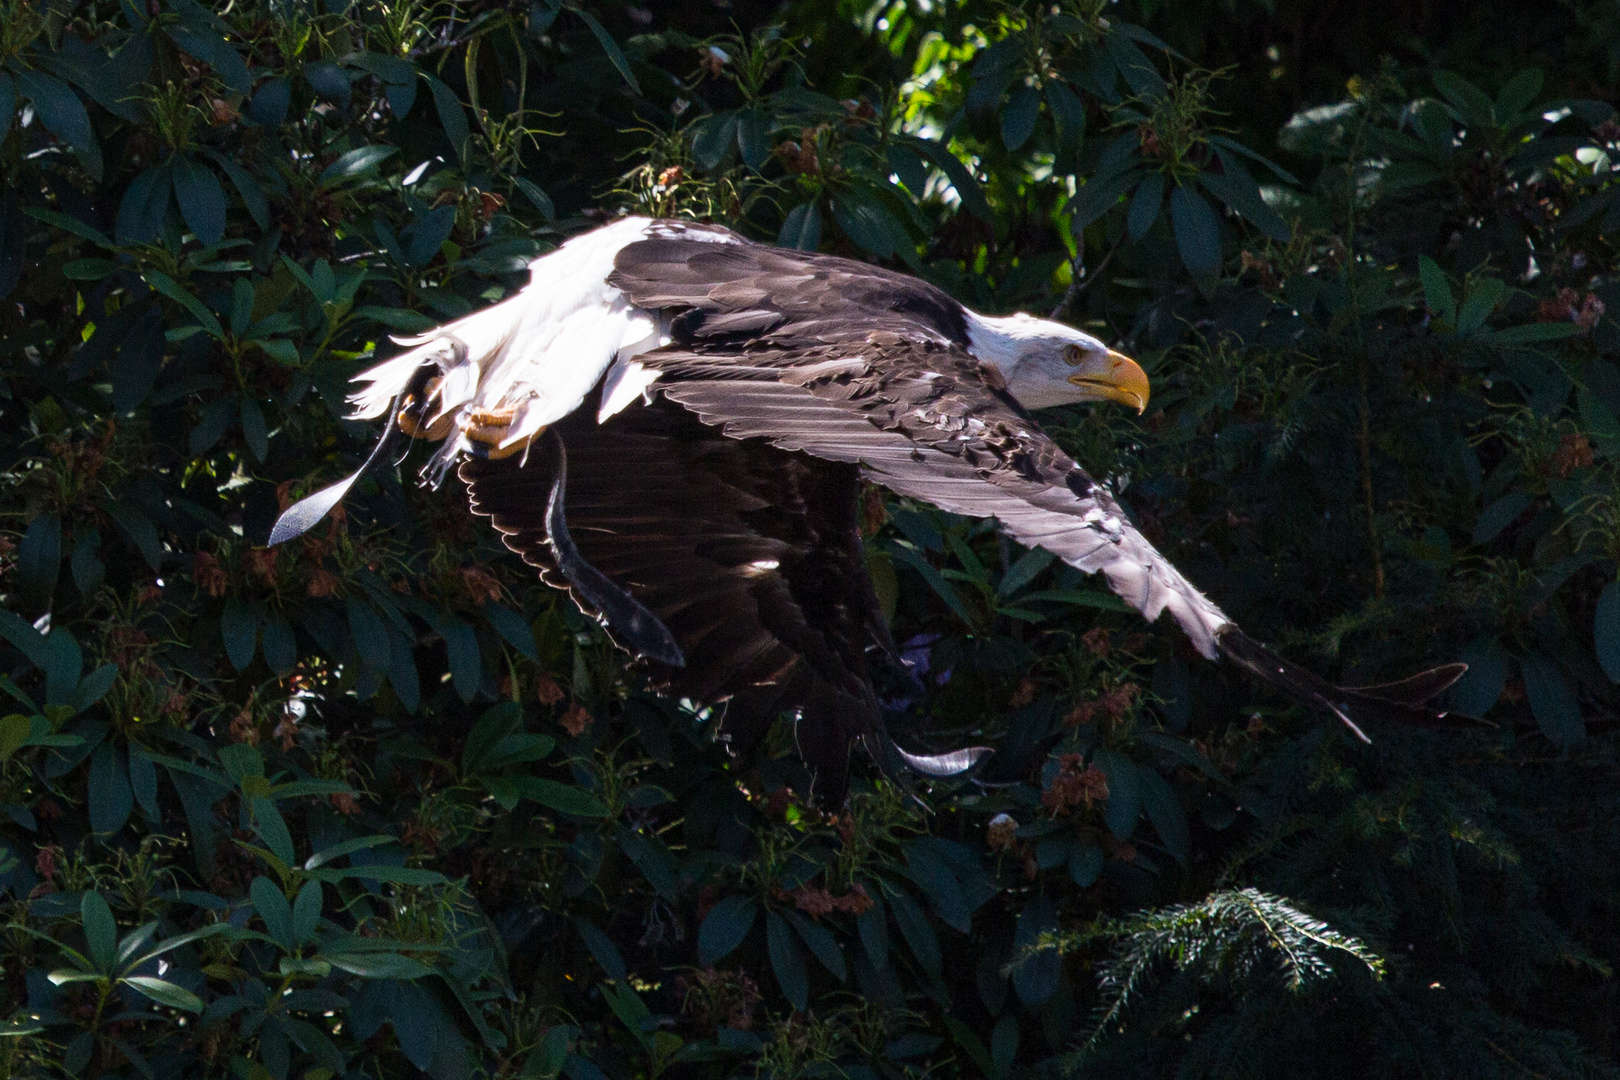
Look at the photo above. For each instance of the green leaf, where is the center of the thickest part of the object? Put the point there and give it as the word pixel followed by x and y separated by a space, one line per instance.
pixel 253 197
pixel 1145 204
pixel 451 117
pixel 606 953
pixel 202 200
pixel 166 285
pixel 13 733
pixel 823 946
pixel 69 976
pixel 1098 196
pixel 165 993
pixel 912 558
pixel 510 625
pixel 873 927
pixel 1437 292
pixel 1552 703
pixel 428 234
pixel 915 928
pixel 1516 96
pixel 466 662
pixel 609 46
pixel 206 45
pixel 78 1053
pixel 495 725
pixel 272 828
pixel 725 927
pixel 306 913
pixel 1499 515
pixel 139 362
pixel 60 109
pixel 69 224
pixel 1140 74
pixel 239 627
pixel 1022 572
pixel 268 106
pixel 753 137
pixel 39 561
pixel 1068 112
pixel 143 782
pixel 536 195
pixel 1164 809
pixel 1605 631
pixel 653 859
pixel 866 221
pixel 802 228
pixel 1085 863
pixel 377 965
pixel 108 791
pixel 409 322
pixel 241 760
pixel 178 940
pixel 88 269
pixel 280 644
pixel 1483 296
pixel 294 789
pixel 1018 118
pixel 714 139
pixel 356 164
pixel 399 875
pixel 1470 101
pixel 8 103
pixel 282 352
pixel 561 797
pixel 1035 975
pixel 1237 189
pixel 1198 233
pixel 346 847
pixel 330 81
pixel 1124 803
pixel 93 687
pixel 1004 1044
pixel 970 1042
pixel 967 187
pixel 1530 333
pixel 787 962
pixel 272 906
pixel 100 931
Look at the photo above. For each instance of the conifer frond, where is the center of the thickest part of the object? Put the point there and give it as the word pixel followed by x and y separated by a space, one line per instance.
pixel 1231 934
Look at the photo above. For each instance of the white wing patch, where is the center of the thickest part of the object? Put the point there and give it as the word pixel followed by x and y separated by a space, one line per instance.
pixel 525 363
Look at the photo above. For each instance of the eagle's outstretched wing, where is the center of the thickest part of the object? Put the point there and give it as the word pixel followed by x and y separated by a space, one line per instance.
pixel 749 555
pixel 922 417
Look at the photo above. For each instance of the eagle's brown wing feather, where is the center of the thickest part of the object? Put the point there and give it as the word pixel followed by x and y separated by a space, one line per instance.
pixel 750 556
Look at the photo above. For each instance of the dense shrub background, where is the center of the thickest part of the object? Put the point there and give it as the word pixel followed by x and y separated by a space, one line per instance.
pixel 378 802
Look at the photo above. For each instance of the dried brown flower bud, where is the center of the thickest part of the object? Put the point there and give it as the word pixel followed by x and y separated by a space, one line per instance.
pixel 1003 832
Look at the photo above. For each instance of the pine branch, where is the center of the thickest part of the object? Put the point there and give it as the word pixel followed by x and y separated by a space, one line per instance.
pixel 1230 934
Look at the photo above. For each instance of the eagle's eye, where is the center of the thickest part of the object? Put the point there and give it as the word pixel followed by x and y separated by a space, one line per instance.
pixel 1073 355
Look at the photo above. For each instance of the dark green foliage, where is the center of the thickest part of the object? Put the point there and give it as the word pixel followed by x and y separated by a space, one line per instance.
pixel 379 803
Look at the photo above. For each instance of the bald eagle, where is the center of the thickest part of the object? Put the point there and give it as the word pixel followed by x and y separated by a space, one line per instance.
pixel 672 423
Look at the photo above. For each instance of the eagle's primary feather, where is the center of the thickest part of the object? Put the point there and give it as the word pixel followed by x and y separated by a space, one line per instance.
pixel 711 406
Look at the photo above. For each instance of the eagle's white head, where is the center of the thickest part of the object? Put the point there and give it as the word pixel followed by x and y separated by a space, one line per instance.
pixel 1046 363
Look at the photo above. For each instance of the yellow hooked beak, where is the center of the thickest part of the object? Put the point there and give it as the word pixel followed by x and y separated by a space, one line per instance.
pixel 1113 376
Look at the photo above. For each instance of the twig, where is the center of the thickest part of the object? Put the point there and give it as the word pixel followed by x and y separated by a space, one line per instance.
pixel 1080 283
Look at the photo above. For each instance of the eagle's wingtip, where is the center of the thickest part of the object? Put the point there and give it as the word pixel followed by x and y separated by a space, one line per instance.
pixel 1405 700
pixel 944 766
